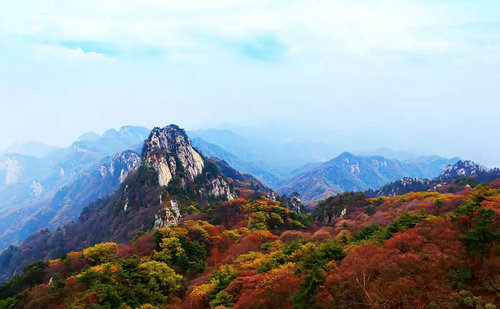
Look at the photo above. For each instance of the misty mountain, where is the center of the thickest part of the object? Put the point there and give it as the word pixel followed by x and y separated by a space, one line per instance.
pixel 33 148
pixel 270 160
pixel 214 151
pixel 348 172
pixel 48 191
pixel 169 177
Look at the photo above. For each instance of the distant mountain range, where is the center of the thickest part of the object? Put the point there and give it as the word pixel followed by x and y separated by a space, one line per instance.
pixel 43 186
pixel 47 191
pixel 452 179
pixel 348 172
pixel 301 167
pixel 270 161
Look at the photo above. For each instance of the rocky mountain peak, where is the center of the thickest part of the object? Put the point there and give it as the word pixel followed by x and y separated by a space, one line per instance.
pixel 121 165
pixel 465 168
pixel 169 150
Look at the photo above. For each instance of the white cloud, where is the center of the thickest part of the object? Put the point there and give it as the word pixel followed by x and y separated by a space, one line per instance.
pixel 325 26
pixel 68 53
pixel 335 63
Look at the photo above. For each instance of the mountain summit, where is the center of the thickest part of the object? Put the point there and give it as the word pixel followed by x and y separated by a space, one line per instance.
pixel 166 148
pixel 169 153
pixel 463 168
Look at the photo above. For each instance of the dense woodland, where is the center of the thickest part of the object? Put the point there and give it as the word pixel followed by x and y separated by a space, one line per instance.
pixel 417 250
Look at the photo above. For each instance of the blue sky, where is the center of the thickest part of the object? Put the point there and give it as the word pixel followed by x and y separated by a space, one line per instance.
pixel 420 76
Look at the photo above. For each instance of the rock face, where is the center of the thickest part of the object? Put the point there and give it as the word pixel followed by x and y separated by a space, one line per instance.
pixel 462 168
pixel 168 216
pixel 292 202
pixel 42 187
pixel 217 187
pixel 295 204
pixel 169 152
pixel 166 148
pixel 121 165
pixel 54 208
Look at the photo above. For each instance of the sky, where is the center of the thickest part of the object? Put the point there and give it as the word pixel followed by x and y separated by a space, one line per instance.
pixel 420 76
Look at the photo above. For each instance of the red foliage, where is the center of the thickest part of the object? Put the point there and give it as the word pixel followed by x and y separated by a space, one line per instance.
pixel 409 271
pixel 495 184
pixel 74 262
pixel 270 290
pixel 251 242
pixel 142 246
pixel 323 234
pixel 292 235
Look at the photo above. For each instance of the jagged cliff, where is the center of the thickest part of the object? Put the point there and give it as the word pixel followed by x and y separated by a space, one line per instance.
pixel 166 148
pixel 169 153
pixel 47 191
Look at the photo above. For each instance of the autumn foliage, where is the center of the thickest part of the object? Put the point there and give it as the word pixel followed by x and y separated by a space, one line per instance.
pixel 418 250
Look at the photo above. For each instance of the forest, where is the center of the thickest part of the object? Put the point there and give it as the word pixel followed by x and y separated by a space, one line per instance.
pixel 417 250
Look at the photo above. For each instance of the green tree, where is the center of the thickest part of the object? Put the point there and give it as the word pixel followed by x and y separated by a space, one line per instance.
pixel 481 238
pixel 160 280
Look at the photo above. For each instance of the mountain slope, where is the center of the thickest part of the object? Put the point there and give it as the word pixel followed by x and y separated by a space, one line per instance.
pixel 48 191
pixel 172 178
pixel 348 172
pixel 52 210
pixel 270 160
pixel 424 249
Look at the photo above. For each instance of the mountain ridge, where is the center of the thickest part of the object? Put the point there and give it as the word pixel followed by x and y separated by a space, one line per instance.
pixel 455 177
pixel 348 172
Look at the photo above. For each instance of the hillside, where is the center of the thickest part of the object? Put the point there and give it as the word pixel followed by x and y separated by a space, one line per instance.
pixel 348 172
pixel 171 180
pixel 421 250
pixel 45 192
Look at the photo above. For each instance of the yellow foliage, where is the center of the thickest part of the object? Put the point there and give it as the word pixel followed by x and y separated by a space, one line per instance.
pixel 251 260
pixel 274 275
pixel 233 234
pixel 102 268
pixel 147 306
pixel 205 289
pixel 305 248
pixel 101 252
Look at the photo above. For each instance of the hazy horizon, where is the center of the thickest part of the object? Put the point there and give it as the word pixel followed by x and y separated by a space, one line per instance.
pixel 416 76
pixel 256 134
